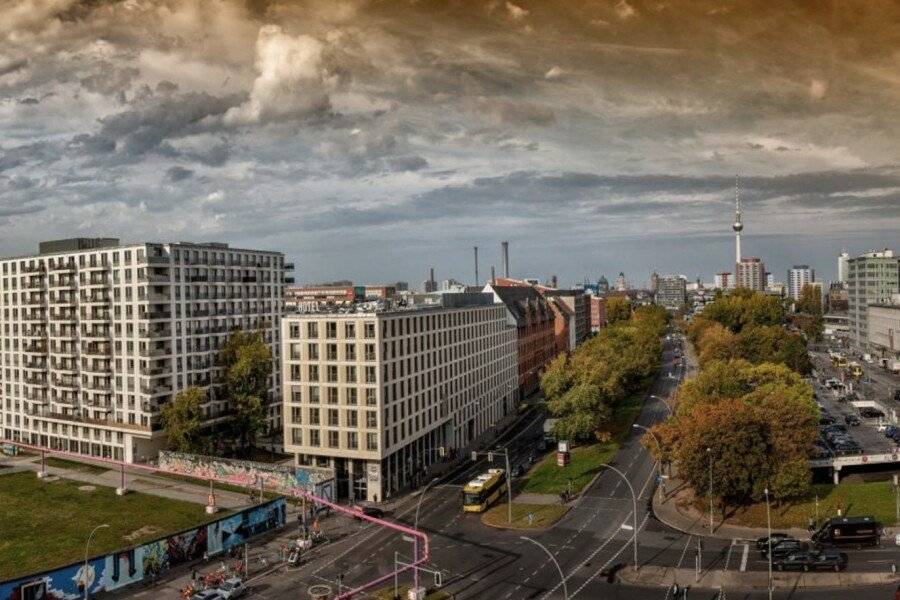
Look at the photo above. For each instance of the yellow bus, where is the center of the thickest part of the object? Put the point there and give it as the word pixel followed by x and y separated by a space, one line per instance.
pixel 856 370
pixel 839 360
pixel 484 490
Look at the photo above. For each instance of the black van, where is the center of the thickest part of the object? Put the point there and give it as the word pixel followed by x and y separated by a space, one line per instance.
pixel 849 531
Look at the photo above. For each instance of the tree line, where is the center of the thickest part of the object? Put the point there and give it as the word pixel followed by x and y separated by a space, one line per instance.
pixel 749 413
pixel 583 388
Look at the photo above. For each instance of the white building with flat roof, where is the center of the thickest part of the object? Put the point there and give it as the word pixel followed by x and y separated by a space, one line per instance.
pixel 98 336
pixel 379 392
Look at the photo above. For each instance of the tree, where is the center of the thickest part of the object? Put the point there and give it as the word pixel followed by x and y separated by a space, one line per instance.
pixel 716 343
pixel 182 420
pixel 618 309
pixel 247 361
pixel 581 413
pixel 808 317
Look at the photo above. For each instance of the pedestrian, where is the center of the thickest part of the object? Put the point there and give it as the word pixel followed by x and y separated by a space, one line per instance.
pixel 194 575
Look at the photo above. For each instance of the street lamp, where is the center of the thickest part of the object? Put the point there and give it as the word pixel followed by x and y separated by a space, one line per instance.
pixel 709 454
pixel 658 462
pixel 416 527
pixel 769 540
pixel 664 401
pixel 634 513
pixel 86 546
pixel 553 558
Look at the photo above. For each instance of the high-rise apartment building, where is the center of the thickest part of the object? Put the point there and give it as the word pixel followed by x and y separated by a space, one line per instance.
pixel 374 394
pixel 97 336
pixel 750 273
pixel 843 266
pixel 671 292
pixel 798 277
pixel 872 278
pixel 723 281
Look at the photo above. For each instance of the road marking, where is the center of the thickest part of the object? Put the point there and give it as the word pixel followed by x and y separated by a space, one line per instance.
pixel 744 557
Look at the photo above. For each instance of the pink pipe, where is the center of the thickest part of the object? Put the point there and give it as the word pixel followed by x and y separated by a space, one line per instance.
pixel 294 491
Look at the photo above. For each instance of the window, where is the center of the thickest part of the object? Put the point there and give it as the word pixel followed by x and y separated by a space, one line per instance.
pixel 333 439
pixel 333 417
pixel 370 330
pixel 371 419
pixel 314 437
pixel 297 436
pixel 350 351
pixel 313 372
pixel 371 375
pixel 314 416
pixel 312 330
pixel 331 352
pixel 296 418
pixel 332 373
pixel 314 394
pixel 313 351
pixel 349 330
pixel 371 441
pixel 330 330
pixel 352 420
pixel 371 398
pixel 332 395
pixel 352 440
pixel 370 351
pixel 351 396
pixel 351 374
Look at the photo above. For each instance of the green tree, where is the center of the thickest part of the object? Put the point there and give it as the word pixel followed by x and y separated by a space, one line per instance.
pixel 618 309
pixel 557 377
pixel 581 413
pixel 182 420
pixel 808 317
pixel 247 361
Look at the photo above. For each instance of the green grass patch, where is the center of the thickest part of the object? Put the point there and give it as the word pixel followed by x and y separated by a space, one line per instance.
pixel 545 515
pixel 73 465
pixel 874 498
pixel 545 477
pixel 46 523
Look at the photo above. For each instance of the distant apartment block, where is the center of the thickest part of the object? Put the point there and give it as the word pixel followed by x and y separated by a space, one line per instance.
pixel 750 273
pixel 98 336
pixel 671 292
pixel 798 277
pixel 375 393
pixel 872 278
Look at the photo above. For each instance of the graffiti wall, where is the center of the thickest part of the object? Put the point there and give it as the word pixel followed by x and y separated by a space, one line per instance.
pixel 134 565
pixel 247 473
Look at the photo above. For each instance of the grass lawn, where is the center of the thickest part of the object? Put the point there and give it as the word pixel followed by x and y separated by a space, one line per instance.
pixel 46 523
pixel 388 592
pixel 545 515
pixel 546 477
pixel 62 463
pixel 857 499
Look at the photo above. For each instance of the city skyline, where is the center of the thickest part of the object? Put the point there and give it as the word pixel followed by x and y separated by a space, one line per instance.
pixel 412 132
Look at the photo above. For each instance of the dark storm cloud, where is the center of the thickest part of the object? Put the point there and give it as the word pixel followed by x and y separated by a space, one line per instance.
pixel 176 174
pixel 11 66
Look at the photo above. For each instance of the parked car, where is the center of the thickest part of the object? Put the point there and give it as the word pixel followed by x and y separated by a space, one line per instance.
pixel 207 595
pixel 232 588
pixel 776 537
pixel 851 420
pixel 823 560
pixel 784 547
pixel 849 531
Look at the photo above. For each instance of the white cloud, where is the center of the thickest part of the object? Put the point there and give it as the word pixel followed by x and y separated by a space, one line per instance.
pixel 517 13
pixel 553 73
pixel 291 80
pixel 625 11
pixel 817 89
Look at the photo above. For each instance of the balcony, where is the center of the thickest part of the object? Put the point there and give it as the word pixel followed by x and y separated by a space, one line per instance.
pixel 96 281
pixel 158 260
pixel 34 331
pixel 99 422
pixel 34 315
pixel 33 269
pixel 103 386
pixel 35 364
pixel 198 279
pixel 35 347
pixel 35 379
pixel 70 383
pixel 95 332
pixel 96 366
pixel 63 300
pixel 96 298
pixel 157 315
pixel 96 350
pixel 288 266
pixel 289 280
pixel 64 267
pixel 97 267
pixel 96 315
pixel 155 332
pixel 64 315
pixel 153 352
pixel 155 390
pixel 71 367
pixel 248 279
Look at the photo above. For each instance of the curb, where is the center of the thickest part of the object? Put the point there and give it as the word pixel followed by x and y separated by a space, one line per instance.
pixel 666 577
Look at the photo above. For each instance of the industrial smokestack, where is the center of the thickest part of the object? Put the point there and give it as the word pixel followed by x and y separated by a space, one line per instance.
pixel 431 274
pixel 553 281
pixel 493 276
pixel 476 266
pixel 504 247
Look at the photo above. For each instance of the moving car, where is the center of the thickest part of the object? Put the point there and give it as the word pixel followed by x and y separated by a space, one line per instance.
pixel 776 537
pixel 824 560
pixel 849 531
pixel 207 595
pixel 369 511
pixel 784 548
pixel 232 588
pixel 851 420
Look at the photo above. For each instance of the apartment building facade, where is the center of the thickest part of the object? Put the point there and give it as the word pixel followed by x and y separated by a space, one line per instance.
pixel 98 336
pixel 750 273
pixel 671 292
pixel 376 394
pixel 872 278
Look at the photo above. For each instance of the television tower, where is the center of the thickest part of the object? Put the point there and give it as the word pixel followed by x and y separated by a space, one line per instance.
pixel 737 226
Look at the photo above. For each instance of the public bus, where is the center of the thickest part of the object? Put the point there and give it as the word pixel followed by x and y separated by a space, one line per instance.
pixel 839 360
pixel 855 370
pixel 484 490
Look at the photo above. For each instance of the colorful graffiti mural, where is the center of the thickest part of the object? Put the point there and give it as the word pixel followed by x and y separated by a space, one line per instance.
pixel 147 561
pixel 315 480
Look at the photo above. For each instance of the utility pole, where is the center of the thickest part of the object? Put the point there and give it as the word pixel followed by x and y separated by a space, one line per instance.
pixel 709 454
pixel 769 540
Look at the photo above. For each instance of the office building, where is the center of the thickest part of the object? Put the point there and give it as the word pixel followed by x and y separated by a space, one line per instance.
pixel 884 330
pixel 872 278
pixel 671 292
pixel 843 266
pixel 723 281
pixel 750 273
pixel 98 336
pixel 798 277
pixel 375 393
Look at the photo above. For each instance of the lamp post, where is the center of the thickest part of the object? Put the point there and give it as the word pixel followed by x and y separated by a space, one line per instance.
pixel 86 546
pixel 416 527
pixel 634 512
pixel 709 454
pixel 662 489
pixel 664 401
pixel 769 540
pixel 553 558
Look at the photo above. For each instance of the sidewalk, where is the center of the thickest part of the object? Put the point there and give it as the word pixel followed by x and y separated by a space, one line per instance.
pixel 665 577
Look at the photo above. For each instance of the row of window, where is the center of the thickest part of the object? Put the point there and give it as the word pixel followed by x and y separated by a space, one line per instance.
pixel 332 439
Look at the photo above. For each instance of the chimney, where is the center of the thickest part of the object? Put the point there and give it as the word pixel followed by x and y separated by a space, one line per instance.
pixel 476 266
pixel 493 276
pixel 553 281
pixel 504 247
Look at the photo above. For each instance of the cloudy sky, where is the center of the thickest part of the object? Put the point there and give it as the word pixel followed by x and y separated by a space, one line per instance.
pixel 372 139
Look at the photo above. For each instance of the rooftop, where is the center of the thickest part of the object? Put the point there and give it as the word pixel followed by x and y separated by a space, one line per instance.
pixel 404 304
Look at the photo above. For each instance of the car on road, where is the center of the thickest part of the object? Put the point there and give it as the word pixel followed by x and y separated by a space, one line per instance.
pixel 821 560
pixel 784 548
pixel 369 511
pixel 776 537
pixel 518 471
pixel 232 588
pixel 207 595
pixel 851 420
